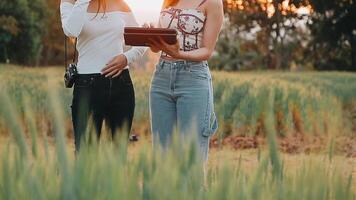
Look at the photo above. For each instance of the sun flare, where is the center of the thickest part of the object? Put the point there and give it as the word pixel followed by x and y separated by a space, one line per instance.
pixel 145 10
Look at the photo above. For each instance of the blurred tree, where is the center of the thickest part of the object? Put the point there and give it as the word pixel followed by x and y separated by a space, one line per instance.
pixel 227 51
pixel 233 52
pixel 8 29
pixel 268 26
pixel 21 35
pixel 53 39
pixel 333 27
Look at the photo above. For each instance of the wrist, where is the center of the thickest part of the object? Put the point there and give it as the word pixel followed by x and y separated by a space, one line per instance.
pixel 181 55
pixel 126 59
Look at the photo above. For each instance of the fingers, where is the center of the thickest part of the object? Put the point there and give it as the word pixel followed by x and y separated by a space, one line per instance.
pixel 160 40
pixel 110 64
pixel 164 45
pixel 161 45
pixel 153 44
pixel 113 72
pixel 152 25
pixel 108 71
pixel 117 63
pixel 117 74
pixel 154 50
pixel 149 25
pixel 108 68
pixel 157 42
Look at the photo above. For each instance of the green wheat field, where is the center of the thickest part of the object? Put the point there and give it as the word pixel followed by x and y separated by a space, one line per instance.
pixel 37 160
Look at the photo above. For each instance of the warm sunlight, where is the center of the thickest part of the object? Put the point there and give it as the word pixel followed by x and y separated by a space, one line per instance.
pixel 267 5
pixel 145 10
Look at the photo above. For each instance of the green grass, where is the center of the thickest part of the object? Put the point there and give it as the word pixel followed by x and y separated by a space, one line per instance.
pixel 105 172
pixel 33 104
pixel 307 102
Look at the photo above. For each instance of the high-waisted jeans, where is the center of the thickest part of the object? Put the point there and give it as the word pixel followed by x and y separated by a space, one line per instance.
pixel 181 97
pixel 97 98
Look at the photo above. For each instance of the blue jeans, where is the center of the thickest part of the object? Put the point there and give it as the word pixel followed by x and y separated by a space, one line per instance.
pixel 181 97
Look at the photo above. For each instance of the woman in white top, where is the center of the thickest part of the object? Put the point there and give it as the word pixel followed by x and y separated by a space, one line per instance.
pixel 181 93
pixel 103 89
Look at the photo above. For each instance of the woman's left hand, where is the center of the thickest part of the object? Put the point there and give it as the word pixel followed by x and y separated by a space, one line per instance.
pixel 171 50
pixel 115 66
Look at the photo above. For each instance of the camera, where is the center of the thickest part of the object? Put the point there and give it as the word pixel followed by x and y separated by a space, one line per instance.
pixel 70 74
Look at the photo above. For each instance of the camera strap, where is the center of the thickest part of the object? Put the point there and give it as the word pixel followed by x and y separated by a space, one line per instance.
pixel 66 52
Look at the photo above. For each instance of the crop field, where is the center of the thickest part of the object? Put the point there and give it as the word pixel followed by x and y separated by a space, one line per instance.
pixel 270 108
pixel 310 103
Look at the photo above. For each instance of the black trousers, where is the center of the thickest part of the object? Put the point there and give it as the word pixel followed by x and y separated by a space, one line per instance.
pixel 96 98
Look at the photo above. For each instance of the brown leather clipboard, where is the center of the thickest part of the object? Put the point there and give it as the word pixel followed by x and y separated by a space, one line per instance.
pixel 136 36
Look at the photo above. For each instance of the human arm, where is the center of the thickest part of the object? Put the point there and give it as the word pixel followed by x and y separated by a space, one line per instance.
pixel 135 52
pixel 73 16
pixel 119 62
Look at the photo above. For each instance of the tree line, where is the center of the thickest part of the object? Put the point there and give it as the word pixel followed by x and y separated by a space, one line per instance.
pixel 276 35
pixel 31 33
pixel 257 34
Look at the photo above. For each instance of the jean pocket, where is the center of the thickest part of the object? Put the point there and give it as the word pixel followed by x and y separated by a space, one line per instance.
pixel 126 78
pixel 161 66
pixel 211 125
pixel 200 71
pixel 83 82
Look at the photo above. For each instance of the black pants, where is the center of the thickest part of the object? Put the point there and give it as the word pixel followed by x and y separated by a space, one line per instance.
pixel 96 98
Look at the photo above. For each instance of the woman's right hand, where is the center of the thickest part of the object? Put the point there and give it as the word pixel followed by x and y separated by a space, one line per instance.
pixel 151 25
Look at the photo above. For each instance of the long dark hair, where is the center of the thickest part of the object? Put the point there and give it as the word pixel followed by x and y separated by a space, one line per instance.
pixel 168 3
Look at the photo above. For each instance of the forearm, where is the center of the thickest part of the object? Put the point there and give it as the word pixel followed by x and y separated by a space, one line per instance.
pixel 134 53
pixel 200 54
pixel 73 17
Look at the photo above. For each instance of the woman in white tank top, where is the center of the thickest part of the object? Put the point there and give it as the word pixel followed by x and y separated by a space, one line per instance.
pixel 103 89
pixel 181 93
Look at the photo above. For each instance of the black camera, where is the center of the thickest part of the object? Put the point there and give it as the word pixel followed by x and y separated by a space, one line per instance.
pixel 70 75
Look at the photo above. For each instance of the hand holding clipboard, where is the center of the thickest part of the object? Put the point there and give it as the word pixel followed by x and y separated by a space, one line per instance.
pixel 138 36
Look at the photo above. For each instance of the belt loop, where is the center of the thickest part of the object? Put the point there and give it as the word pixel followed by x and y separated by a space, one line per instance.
pixel 162 64
pixel 173 65
pixel 206 63
pixel 186 63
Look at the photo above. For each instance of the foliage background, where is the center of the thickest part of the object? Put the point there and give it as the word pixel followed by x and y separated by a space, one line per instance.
pixel 258 34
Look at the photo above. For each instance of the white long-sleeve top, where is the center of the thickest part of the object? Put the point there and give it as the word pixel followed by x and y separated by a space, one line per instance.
pixel 99 38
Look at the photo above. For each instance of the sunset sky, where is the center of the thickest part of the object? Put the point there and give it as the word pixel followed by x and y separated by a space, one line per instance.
pixel 148 10
pixel 145 10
